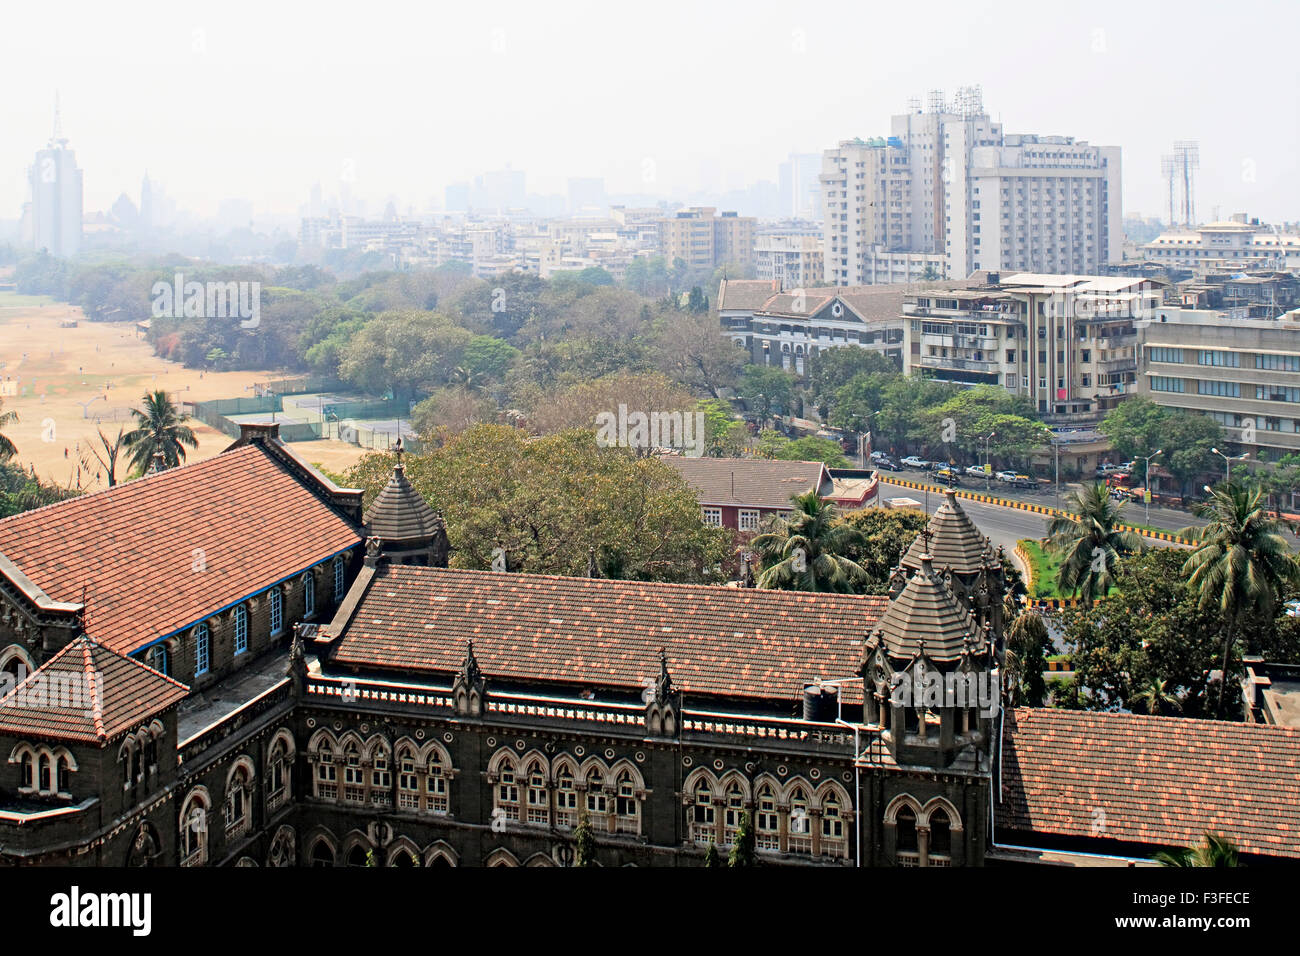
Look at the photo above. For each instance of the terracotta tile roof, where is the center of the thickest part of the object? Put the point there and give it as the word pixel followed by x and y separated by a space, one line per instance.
pixel 729 642
pixel 746 294
pixel 133 547
pixel 1157 780
pixel 750 482
pixel 86 692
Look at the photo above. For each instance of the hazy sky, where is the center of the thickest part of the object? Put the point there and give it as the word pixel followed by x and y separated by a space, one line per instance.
pixel 260 100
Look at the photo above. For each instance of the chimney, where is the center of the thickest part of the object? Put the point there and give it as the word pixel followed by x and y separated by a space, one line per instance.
pixel 264 432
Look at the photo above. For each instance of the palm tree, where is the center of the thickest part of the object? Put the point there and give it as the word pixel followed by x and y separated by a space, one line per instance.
pixel 1156 698
pixel 7 448
pixel 1214 850
pixel 1027 641
pixel 805 552
pixel 1091 543
pixel 160 428
pixel 1241 562
pixel 112 451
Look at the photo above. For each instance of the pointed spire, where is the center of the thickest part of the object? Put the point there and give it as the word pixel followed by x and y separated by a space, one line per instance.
pixel 469 669
pixel 664 685
pixel 57 140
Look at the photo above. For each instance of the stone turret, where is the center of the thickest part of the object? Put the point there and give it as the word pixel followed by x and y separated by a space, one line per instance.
pixel 966 557
pixel 409 531
pixel 930 670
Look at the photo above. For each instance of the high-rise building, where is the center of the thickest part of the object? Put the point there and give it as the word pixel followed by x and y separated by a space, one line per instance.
pixel 794 261
pixel 704 240
pixel 800 190
pixel 56 196
pixel 950 187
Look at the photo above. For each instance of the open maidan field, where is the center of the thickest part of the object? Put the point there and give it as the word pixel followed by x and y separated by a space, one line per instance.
pixel 90 376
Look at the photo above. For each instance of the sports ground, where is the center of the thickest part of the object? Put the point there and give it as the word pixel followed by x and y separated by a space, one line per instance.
pixel 67 381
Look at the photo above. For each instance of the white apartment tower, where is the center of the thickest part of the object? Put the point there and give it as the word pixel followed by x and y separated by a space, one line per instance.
pixel 948 192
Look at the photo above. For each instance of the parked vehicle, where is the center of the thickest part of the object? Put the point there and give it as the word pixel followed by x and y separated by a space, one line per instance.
pixel 877 455
pixel 976 471
pixel 887 463
pixel 948 476
pixel 912 461
pixel 1024 481
pixel 1006 476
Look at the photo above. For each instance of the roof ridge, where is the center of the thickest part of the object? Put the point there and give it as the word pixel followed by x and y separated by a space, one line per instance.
pixel 96 692
pixel 1057 712
pixel 129 483
pixel 625 582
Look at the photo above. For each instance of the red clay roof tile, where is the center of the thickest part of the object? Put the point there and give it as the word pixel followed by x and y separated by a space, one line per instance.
pixel 1157 780
pixel 135 549
pixel 729 642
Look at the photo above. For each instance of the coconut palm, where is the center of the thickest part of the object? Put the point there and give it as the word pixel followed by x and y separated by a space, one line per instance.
pixel 1027 641
pixel 112 451
pixel 160 428
pixel 1156 699
pixel 1214 850
pixel 805 552
pixel 1091 543
pixel 1241 563
pixel 7 448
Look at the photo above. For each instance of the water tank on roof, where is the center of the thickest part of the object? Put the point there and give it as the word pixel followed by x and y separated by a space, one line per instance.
pixel 895 141
pixel 820 703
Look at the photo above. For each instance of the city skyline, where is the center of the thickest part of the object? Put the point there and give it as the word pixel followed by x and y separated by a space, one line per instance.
pixel 1097 77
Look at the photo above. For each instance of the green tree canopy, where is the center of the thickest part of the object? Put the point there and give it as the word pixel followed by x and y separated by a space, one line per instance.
pixel 546 500
pixel 806 550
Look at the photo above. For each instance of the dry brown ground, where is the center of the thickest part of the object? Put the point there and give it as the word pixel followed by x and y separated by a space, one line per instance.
pixel 110 367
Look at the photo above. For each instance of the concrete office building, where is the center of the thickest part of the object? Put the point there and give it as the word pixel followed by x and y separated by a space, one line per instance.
pixel 705 240
pixel 793 261
pixel 1241 369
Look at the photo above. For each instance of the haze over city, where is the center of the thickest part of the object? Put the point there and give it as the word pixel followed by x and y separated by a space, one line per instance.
pixel 259 103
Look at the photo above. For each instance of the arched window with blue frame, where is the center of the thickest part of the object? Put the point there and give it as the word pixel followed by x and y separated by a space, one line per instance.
pixel 241 629
pixel 202 648
pixel 277 611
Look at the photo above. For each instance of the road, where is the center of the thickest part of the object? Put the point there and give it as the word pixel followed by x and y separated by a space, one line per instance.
pixel 1004 526
pixel 999 523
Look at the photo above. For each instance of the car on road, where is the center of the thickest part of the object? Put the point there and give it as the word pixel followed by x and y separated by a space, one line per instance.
pixel 948 476
pixel 976 471
pixel 912 461
pixel 887 463
pixel 1024 481
pixel 1006 476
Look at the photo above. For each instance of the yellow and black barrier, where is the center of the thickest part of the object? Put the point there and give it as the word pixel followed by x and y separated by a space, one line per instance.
pixel 1022 506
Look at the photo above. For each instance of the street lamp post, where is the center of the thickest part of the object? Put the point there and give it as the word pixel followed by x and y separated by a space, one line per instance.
pixel 1227 462
pixel 986 439
pixel 1147 481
